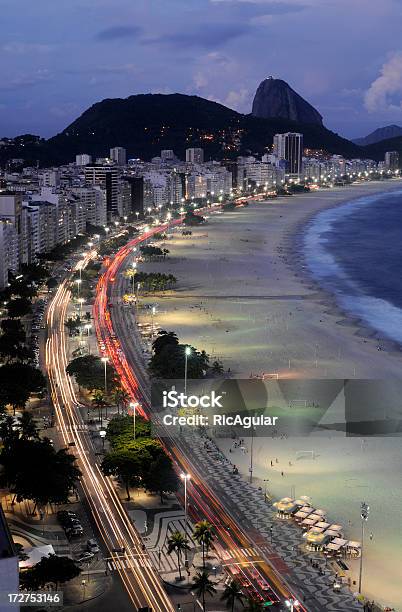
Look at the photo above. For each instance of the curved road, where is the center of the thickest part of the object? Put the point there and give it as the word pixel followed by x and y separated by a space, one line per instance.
pixel 142 583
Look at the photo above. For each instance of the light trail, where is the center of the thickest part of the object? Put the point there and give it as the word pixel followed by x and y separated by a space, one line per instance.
pixel 139 578
pixel 204 501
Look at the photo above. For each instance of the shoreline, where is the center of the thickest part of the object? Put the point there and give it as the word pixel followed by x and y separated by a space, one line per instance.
pixel 244 304
pixel 326 297
pixel 245 283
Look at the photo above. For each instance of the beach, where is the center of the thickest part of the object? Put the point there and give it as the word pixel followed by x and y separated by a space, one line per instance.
pixel 245 296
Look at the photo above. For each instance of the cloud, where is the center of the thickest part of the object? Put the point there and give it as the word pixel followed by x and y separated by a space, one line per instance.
pixel 239 99
pixel 207 35
pixel 271 8
pixel 380 96
pixel 118 33
pixel 26 80
pixel 19 48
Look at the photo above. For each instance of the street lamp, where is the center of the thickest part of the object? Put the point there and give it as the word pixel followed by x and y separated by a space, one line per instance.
pixel 78 282
pixel 152 322
pixel 105 360
pixel 134 272
pixel 88 328
pixel 364 513
pixel 185 477
pixel 102 434
pixel 291 603
pixel 134 405
pixel 83 584
pixel 187 352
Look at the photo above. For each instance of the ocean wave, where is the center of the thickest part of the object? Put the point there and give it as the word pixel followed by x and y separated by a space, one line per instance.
pixel 321 244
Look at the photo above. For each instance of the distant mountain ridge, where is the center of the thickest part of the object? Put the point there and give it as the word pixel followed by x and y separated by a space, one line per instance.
pixel 275 99
pixel 384 133
pixel 146 123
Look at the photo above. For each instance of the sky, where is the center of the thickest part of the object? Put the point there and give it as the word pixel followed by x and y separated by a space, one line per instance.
pixel 58 58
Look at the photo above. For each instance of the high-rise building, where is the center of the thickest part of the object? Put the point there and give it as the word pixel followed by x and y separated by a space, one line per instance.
pixel 9 251
pixel 167 155
pixel 83 159
pixel 136 194
pixel 107 178
pixel 195 156
pixel 289 147
pixel 391 160
pixel 119 156
pixel 11 210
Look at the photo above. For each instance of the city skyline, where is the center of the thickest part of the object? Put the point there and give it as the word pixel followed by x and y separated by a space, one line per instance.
pixel 217 49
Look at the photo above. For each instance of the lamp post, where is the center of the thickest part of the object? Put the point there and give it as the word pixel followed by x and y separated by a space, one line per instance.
pixel 134 271
pixel 138 291
pixel 265 488
pixel 105 360
pixel 88 328
pixel 83 584
pixel 78 282
pixel 133 406
pixel 364 513
pixel 187 352
pixel 152 322
pixel 291 603
pixel 185 477
pixel 102 434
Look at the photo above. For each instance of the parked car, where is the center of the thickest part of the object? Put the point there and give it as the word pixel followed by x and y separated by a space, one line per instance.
pixel 85 557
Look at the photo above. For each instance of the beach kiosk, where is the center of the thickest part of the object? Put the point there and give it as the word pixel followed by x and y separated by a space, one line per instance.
pixel 285 508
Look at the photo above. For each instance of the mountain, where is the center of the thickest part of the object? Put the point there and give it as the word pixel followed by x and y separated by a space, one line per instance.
pixel 377 150
pixel 274 98
pixel 385 133
pixel 146 123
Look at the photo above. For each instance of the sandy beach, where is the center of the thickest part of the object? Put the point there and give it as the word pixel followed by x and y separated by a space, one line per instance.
pixel 243 295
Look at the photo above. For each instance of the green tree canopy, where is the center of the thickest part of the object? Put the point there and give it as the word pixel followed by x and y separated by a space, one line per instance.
pixel 89 372
pixel 50 569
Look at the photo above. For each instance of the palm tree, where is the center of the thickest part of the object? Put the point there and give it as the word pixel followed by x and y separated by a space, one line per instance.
pixel 119 397
pixel 204 536
pixel 202 585
pixel 163 339
pixel 253 606
pixel 231 594
pixel 98 401
pixel 177 542
pixel 27 427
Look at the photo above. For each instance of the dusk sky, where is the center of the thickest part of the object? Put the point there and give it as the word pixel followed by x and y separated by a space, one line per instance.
pixel 57 58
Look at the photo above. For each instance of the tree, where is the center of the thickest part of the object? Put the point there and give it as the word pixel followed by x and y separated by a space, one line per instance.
pixel 204 536
pixel 202 585
pixel 191 218
pixel 127 465
pixel 164 338
pixel 47 477
pixel 99 401
pixel 217 368
pixel 22 556
pixel 52 568
pixel 169 361
pixel 231 594
pixel 17 382
pixel 89 372
pixel 18 307
pixel 120 397
pixel 51 283
pixel 177 543
pixel 119 431
pixel 72 324
pixel 161 477
pixel 27 427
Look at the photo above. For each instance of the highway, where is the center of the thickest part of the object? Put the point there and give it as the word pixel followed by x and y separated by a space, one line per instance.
pixel 121 343
pixel 141 582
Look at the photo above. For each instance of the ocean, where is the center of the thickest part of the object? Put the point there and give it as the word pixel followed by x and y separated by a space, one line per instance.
pixel 355 251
